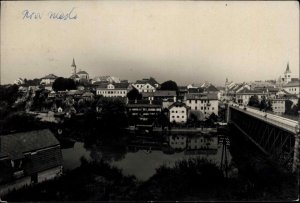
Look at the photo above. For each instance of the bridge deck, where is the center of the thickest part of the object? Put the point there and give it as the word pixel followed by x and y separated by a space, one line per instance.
pixel 284 123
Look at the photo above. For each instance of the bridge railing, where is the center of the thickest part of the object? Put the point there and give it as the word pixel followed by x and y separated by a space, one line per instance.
pixel 279 121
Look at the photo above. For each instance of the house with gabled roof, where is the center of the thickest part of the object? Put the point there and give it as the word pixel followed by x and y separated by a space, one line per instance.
pixel 178 112
pixel 206 103
pixel 28 157
pixel 113 89
pixel 146 85
pixel 48 79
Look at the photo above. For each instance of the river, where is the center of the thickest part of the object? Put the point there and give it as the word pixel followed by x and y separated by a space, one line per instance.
pixel 142 155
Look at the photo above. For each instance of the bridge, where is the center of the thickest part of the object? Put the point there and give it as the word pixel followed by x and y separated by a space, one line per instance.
pixel 276 136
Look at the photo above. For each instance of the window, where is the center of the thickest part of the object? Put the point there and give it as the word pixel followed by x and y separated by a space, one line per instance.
pixel 176 111
pixel 195 101
pixel 182 112
pixel 195 107
pixel 182 116
pixel 201 107
pixel 173 116
pixel 177 116
pixel 213 108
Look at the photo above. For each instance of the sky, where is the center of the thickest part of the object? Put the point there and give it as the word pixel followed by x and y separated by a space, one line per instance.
pixel 185 41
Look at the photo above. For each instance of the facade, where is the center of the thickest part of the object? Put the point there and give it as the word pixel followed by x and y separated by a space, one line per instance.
pixel 177 141
pixel 278 106
pixel 160 95
pixel 292 87
pixel 178 112
pixel 146 112
pixel 244 96
pixel 29 157
pixel 146 85
pixel 113 89
pixel 206 103
pixel 83 75
pixel 48 79
pixel 202 142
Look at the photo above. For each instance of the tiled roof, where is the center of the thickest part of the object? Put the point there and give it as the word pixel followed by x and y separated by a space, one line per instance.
pixel 143 105
pixel 211 88
pixel 50 76
pixel 122 85
pixel 180 104
pixel 82 72
pixel 201 96
pixel 14 145
pixel 44 160
pixel 292 84
pixel 151 81
pixel 246 91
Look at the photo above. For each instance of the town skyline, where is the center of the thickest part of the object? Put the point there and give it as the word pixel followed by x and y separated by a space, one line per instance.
pixel 188 42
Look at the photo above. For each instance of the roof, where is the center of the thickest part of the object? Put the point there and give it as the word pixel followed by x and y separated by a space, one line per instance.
pixel 88 94
pixel 180 104
pixel 246 91
pixel 143 105
pixel 292 84
pixel 50 76
pixel 212 88
pixel 82 72
pixel 122 85
pixel 202 96
pixel 151 81
pixel 14 145
pixel 74 76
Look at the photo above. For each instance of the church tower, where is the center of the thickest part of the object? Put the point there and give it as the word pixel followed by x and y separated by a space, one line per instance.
pixel 74 67
pixel 287 74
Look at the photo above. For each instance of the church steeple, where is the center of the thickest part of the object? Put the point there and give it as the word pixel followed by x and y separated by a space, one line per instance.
pixel 74 67
pixel 287 68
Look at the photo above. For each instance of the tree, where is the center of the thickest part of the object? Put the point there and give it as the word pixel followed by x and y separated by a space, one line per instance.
pixel 253 101
pixel 9 93
pixel 288 106
pixel 134 94
pixel 169 85
pixel 263 105
pixel 62 84
pixel 112 113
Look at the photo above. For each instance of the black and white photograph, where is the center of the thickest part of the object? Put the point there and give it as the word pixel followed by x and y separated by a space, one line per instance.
pixel 149 101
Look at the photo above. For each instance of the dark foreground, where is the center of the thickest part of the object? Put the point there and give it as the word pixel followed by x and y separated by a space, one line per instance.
pixel 194 179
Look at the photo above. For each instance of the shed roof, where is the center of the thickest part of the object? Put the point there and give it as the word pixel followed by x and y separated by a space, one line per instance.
pixel 14 145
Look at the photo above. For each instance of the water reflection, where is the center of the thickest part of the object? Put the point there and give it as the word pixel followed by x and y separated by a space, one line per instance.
pixel 142 155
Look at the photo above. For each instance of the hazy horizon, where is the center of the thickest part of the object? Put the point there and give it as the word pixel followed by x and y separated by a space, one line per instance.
pixel 185 41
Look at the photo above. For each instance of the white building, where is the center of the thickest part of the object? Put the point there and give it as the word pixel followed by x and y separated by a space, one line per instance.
pixel 292 87
pixel 83 75
pixel 244 96
pixel 206 103
pixel 178 112
pixel 146 85
pixel 202 142
pixel 113 90
pixel 177 141
pixel 278 106
pixel 48 79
